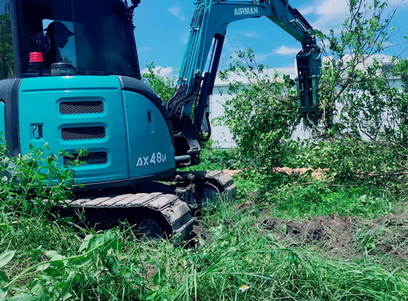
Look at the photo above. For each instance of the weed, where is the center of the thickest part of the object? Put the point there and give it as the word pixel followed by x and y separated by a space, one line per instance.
pixel 235 257
pixel 232 252
pixel 23 186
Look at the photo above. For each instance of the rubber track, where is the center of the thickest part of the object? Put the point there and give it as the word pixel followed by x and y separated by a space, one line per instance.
pixel 224 182
pixel 175 211
pixel 229 189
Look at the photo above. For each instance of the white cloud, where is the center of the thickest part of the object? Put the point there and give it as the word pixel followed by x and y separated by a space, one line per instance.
pixel 176 11
pixel 284 50
pixel 249 34
pixel 331 13
pixel 144 49
pixel 262 57
pixel 184 38
pixel 162 71
pixel 402 3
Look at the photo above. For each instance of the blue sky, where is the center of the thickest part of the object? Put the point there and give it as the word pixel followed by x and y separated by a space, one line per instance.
pixel 162 31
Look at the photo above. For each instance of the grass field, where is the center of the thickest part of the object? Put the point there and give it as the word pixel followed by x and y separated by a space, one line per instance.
pixel 304 240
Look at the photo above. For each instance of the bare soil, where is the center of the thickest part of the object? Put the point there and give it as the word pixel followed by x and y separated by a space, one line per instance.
pixel 385 237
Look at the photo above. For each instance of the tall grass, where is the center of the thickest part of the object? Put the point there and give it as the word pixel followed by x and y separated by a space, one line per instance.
pixel 234 259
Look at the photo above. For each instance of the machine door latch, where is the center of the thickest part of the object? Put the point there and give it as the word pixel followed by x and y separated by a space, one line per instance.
pixel 36 131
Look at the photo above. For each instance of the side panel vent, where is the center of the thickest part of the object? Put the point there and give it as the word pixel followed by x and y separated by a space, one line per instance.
pixel 78 133
pixel 90 158
pixel 81 107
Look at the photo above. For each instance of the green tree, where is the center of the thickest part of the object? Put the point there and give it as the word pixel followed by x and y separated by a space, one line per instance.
pixel 261 113
pixel 6 48
pixel 164 86
pixel 356 97
pixel 361 111
pixel 401 69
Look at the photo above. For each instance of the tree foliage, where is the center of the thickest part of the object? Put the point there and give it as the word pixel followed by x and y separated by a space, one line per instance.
pixel 261 114
pixel 6 48
pixel 361 111
pixel 356 93
pixel 164 86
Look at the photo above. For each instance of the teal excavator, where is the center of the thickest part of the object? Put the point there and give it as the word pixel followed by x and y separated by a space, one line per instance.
pixel 77 85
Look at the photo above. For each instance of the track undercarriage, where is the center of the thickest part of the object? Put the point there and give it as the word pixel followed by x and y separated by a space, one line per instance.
pixel 157 209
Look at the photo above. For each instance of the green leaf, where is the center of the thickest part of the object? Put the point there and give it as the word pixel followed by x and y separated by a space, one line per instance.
pixel 6 257
pixel 85 243
pixel 54 255
pixel 151 295
pixel 23 297
pixel 2 295
pixel 43 266
pixel 3 278
pixel 67 296
pixel 39 291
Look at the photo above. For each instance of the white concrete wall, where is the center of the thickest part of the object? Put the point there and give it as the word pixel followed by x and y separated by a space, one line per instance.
pixel 221 135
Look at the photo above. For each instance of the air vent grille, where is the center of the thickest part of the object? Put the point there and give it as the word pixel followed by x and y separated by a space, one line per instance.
pixel 81 107
pixel 79 133
pixel 90 158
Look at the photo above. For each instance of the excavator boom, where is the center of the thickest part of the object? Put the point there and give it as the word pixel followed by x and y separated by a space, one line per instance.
pixel 207 31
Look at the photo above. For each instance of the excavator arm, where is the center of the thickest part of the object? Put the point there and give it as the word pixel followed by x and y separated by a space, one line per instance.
pixel 208 28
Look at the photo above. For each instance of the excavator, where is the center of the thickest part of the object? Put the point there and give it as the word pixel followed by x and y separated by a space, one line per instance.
pixel 76 84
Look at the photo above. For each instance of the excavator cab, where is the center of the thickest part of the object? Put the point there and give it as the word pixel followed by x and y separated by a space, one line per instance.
pixel 91 37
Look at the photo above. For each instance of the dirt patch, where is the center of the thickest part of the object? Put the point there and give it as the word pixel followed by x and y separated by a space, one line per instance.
pixel 387 234
pixel 385 238
pixel 344 236
pixel 334 234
